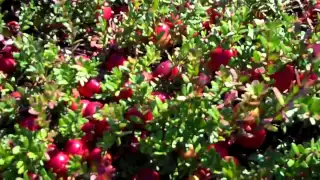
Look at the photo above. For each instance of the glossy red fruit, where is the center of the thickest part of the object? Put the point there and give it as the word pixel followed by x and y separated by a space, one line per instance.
pixel 76 147
pixel 162 35
pixel 101 127
pixel 88 137
pixel 8 64
pixel 92 108
pixel 125 93
pixel 315 10
pixel 52 150
pixel 83 103
pixel 88 127
pixel 284 78
pixel 213 15
pixel 16 95
pixel 254 140
pixel 256 74
pixel 107 13
pixel 58 164
pixel 29 123
pixel 174 73
pixel 220 56
pixel 133 112
pixel 148 116
pixel 161 95
pixel 163 69
pixel 32 176
pixel 220 148
pixel 115 60
pixel 231 158
pixel 13 26
pixel 147 174
pixel 8 50
pixel 95 156
pixel 90 88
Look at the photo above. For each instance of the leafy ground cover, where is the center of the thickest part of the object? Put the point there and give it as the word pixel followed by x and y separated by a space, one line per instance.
pixel 160 89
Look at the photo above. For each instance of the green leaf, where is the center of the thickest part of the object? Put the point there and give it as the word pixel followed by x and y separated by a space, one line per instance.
pixel 181 98
pixel 155 5
pixel 250 32
pixel 263 41
pixel 290 162
pixel 278 96
pixel 108 140
pixel 304 164
pixel 32 155
pixel 214 113
pixel 308 158
pixel 19 164
pixel 315 106
pixel 312 143
pixel 43 134
pixel 256 56
pixel 295 148
pixel 21 170
pixel 270 127
pixel 16 150
pixel 312 121
pixel 159 103
pixel 185 78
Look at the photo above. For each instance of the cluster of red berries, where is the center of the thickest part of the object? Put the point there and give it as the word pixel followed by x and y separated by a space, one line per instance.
pixel 253 135
pixel 7 62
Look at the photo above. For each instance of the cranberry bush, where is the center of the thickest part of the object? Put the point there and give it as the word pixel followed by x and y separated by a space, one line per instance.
pixel 145 89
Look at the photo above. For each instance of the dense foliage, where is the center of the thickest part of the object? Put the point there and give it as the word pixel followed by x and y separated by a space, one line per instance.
pixel 159 89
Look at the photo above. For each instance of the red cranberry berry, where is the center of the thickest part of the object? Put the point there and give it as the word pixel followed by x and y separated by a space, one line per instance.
pixel 147 174
pixel 76 147
pixel 162 35
pixel 58 164
pixel 30 123
pixel 220 148
pixel 92 108
pixel 90 88
pixel 220 56
pixel 115 60
pixel 284 78
pixel 163 69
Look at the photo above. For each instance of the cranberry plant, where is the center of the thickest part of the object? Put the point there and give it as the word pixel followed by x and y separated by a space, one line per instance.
pixel 141 89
